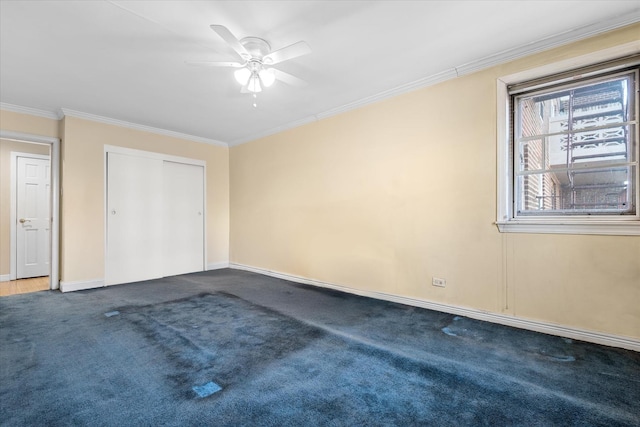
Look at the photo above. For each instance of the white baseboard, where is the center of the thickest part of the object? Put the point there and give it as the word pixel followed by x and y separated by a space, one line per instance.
pixel 217 266
pixel 99 283
pixel 532 325
pixel 80 285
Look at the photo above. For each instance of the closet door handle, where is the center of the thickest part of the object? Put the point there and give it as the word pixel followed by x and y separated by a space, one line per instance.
pixel 22 220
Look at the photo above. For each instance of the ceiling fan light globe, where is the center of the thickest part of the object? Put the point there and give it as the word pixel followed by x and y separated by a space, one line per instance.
pixel 267 76
pixel 242 76
pixel 254 84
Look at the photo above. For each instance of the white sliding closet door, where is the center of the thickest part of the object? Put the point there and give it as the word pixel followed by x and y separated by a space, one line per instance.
pixel 183 210
pixel 134 219
pixel 155 218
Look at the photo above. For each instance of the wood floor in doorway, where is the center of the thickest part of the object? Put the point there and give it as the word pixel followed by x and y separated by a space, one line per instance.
pixel 24 286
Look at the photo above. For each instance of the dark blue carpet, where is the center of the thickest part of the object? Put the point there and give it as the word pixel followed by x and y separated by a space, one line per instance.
pixel 231 348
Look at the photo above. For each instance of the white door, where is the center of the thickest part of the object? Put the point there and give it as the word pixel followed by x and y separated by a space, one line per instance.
pixel 183 207
pixel 134 219
pixel 33 215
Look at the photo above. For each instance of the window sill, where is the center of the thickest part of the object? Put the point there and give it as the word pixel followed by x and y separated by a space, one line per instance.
pixel 556 226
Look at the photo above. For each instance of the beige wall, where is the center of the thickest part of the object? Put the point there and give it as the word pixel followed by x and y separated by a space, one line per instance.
pixel 26 123
pixel 82 228
pixel 385 197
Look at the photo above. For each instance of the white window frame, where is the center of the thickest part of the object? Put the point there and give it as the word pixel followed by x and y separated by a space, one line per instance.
pixel 628 225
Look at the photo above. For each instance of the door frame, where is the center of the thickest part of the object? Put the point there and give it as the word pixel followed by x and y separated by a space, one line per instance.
pixel 159 156
pixel 54 240
pixel 13 270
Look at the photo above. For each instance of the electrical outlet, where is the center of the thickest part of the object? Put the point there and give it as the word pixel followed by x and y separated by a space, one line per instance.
pixel 435 281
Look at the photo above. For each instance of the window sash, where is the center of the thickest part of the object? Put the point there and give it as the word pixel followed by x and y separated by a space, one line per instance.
pixel 576 164
pixel 585 197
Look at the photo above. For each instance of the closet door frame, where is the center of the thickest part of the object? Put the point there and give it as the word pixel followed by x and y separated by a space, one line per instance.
pixel 157 156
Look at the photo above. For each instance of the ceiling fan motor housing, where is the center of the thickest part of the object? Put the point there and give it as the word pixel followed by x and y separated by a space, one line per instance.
pixel 257 47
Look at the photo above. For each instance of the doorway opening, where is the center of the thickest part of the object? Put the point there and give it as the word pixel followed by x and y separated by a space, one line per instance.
pixel 29 231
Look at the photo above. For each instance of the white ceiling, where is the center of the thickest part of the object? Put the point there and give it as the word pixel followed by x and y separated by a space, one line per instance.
pixel 125 60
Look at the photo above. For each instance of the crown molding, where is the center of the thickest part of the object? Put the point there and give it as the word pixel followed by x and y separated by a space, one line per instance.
pixel 398 90
pixel 93 117
pixel 54 115
pixel 509 55
pixel 20 136
pixel 551 42
pixel 424 82
pixel 135 126
pixel 503 57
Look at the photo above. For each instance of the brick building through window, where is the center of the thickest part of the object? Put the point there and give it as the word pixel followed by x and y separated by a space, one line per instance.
pixel 574 147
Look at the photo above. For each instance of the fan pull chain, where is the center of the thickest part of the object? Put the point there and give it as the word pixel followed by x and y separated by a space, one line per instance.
pixel 255 101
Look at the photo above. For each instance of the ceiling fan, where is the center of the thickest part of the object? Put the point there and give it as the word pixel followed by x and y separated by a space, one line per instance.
pixel 255 71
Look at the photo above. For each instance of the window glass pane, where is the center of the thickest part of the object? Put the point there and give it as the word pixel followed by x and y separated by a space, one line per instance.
pixel 538 192
pixel 531 155
pixel 599 104
pixel 594 146
pixel 600 145
pixel 576 151
pixel 606 115
pixel 534 116
pixel 604 190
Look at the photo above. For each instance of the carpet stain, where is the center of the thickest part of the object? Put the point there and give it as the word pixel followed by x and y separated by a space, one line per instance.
pixel 449 332
pixel 112 313
pixel 554 349
pixel 563 358
pixel 218 335
pixel 207 389
pixel 558 357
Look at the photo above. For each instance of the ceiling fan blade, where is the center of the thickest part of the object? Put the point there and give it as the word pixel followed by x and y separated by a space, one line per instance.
pixel 292 51
pixel 215 64
pixel 289 79
pixel 231 40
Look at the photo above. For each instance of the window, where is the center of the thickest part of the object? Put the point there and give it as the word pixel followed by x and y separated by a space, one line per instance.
pixel 571 152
